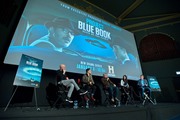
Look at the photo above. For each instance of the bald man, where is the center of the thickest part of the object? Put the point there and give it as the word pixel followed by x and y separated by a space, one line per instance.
pixel 63 79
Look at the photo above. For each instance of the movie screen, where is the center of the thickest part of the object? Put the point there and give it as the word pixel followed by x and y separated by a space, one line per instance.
pixel 59 33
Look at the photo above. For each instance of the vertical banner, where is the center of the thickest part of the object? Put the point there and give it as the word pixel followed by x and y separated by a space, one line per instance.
pixel 153 83
pixel 29 72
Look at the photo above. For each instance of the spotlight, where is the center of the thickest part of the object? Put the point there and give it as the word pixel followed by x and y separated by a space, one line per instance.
pixel 177 72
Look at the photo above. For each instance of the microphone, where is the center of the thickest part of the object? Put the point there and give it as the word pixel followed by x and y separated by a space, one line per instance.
pixel 64 71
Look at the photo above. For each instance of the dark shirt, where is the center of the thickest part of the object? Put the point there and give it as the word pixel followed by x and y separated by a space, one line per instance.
pixel 87 79
pixel 106 82
pixel 60 76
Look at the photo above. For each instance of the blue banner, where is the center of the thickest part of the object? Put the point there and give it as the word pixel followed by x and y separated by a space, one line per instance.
pixel 29 72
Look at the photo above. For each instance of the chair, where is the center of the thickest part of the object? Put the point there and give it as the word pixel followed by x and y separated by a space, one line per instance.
pixel 85 98
pixel 51 93
pixel 61 93
pixel 56 95
pixel 126 95
pixel 146 97
pixel 107 100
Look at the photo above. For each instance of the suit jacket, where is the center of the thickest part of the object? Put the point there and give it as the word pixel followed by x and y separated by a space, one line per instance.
pixel 86 79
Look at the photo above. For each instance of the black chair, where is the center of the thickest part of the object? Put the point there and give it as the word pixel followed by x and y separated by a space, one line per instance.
pixel 107 100
pixel 62 94
pixel 83 99
pixel 56 95
pixel 51 93
pixel 146 97
pixel 87 97
pixel 127 95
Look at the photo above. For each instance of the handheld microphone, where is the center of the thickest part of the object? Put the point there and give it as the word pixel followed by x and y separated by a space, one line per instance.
pixel 64 71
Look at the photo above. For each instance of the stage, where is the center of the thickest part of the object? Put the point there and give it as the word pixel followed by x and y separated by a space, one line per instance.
pixel 161 111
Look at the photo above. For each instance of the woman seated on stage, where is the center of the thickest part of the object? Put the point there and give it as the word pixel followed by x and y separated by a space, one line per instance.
pixel 126 88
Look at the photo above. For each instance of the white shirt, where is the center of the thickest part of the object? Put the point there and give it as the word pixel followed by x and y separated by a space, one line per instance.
pixel 124 84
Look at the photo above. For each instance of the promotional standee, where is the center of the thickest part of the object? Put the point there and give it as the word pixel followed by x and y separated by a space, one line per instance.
pixel 28 75
pixel 154 85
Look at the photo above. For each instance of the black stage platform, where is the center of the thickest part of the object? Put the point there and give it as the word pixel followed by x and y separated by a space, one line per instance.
pixel 161 111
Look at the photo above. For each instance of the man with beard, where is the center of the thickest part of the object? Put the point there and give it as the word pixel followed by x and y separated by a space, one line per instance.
pixel 60 35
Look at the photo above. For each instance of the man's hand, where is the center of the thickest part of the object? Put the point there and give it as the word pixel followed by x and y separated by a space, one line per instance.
pixel 90 83
pixel 64 71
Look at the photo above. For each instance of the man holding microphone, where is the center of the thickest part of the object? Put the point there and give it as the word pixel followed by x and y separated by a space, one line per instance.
pixel 110 87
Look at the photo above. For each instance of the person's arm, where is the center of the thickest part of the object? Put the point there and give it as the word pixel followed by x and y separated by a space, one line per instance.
pixel 103 82
pixel 58 76
pixel 146 83
pixel 122 83
pixel 84 79
pixel 61 76
pixel 127 85
pixel 139 83
pixel 91 78
pixel 111 82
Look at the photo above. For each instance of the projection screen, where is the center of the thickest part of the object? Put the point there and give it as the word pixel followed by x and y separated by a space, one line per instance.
pixel 58 33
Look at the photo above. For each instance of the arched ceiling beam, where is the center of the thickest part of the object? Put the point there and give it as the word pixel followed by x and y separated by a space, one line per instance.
pixel 129 10
pixel 152 21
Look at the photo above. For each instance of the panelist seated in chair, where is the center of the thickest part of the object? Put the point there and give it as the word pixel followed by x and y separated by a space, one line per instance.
pixel 89 84
pixel 143 87
pixel 110 87
pixel 63 79
pixel 126 87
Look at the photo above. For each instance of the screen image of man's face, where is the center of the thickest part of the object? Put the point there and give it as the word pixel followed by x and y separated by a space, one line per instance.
pixel 63 36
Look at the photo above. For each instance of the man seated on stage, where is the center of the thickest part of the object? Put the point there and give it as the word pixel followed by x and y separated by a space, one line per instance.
pixel 110 87
pixel 143 86
pixel 88 83
pixel 63 79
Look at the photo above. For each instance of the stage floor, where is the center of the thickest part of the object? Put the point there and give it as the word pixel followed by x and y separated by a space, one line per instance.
pixel 161 111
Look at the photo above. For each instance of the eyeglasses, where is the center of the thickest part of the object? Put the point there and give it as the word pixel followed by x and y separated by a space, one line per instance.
pixel 67 31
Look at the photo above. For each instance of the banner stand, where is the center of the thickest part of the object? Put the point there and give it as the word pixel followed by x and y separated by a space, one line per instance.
pixel 11 99
pixel 35 96
pixel 28 75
